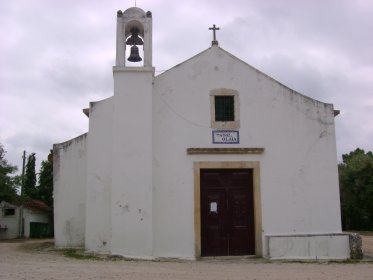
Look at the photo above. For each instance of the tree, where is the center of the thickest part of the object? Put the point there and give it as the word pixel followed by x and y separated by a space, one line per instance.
pixel 356 188
pixel 8 184
pixel 29 189
pixel 45 187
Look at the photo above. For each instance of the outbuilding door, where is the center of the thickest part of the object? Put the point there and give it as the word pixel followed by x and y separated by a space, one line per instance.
pixel 227 212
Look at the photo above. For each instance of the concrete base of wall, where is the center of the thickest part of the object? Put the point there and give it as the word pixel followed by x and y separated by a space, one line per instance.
pixel 333 246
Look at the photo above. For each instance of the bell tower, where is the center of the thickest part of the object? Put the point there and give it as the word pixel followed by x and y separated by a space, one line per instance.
pixel 134 28
pixel 132 191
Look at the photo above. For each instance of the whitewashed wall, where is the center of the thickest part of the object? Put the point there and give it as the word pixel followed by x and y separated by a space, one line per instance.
pixel 131 218
pixel 69 174
pixel 299 183
pixel 10 222
pixel 98 189
pixel 135 181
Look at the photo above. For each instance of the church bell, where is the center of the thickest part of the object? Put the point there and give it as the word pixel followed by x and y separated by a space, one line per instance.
pixel 134 55
pixel 134 40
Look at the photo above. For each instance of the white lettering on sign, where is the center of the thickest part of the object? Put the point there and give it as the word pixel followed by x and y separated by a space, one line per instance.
pixel 225 137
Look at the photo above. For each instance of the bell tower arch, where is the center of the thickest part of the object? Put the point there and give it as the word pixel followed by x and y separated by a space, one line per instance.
pixel 134 30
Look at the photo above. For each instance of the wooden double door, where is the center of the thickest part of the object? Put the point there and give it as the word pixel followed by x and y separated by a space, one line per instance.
pixel 227 212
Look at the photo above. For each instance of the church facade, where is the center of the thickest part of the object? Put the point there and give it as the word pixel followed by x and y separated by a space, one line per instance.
pixel 210 158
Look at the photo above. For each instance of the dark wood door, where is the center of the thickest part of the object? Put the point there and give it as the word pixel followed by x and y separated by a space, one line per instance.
pixel 227 212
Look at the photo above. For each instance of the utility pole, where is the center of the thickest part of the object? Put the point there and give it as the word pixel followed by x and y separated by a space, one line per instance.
pixel 23 172
pixel 22 189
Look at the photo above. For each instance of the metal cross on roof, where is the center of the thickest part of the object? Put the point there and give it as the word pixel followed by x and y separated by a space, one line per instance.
pixel 214 28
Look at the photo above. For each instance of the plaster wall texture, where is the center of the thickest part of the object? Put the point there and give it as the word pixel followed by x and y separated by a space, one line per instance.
pixel 69 175
pixel 131 217
pixel 33 216
pixel 98 187
pixel 299 184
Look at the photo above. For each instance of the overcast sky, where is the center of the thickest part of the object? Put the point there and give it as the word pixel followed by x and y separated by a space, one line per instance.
pixel 57 56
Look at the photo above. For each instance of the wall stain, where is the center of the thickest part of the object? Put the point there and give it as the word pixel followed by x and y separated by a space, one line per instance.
pixel 125 208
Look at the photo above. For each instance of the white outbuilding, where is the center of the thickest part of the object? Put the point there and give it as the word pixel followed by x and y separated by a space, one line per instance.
pixel 30 219
pixel 210 158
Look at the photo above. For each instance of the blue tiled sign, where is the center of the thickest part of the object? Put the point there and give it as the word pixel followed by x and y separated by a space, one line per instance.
pixel 225 137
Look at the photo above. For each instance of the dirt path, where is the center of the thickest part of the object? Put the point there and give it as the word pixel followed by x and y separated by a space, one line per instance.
pixel 19 261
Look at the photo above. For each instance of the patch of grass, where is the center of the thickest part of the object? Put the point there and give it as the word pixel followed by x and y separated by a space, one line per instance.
pixel 348 261
pixel 321 261
pixel 73 253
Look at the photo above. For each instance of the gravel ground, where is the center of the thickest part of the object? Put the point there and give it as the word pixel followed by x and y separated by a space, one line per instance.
pixel 31 259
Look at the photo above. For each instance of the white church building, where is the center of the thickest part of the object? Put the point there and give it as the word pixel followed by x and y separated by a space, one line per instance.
pixel 210 158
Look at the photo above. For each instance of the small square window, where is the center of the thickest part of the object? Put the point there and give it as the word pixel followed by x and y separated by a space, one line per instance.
pixel 9 212
pixel 224 108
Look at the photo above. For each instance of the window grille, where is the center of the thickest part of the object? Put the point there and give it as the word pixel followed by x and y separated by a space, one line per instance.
pixel 224 108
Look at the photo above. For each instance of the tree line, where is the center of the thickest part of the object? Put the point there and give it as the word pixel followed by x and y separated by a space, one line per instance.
pixel 356 190
pixel 17 188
